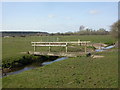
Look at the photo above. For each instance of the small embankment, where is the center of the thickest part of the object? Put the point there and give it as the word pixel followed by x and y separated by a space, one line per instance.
pixel 12 64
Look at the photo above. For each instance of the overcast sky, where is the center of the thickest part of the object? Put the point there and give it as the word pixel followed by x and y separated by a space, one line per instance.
pixel 58 16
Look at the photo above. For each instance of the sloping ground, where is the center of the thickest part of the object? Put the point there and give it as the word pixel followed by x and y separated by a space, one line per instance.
pixel 79 72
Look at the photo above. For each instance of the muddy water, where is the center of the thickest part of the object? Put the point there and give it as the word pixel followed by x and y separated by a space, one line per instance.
pixel 32 66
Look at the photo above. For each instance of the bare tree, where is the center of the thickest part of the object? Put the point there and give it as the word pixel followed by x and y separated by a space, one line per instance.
pixel 81 28
pixel 115 29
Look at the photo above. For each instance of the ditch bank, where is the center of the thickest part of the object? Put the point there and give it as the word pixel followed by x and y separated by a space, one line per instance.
pixel 25 60
pixel 32 66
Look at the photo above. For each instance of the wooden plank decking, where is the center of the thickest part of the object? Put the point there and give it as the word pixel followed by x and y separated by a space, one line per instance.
pixel 68 54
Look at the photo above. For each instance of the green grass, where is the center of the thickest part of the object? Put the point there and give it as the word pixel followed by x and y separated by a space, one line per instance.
pixel 13 46
pixel 79 72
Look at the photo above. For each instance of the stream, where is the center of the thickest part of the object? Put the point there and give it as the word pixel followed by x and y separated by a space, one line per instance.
pixel 105 48
pixel 32 66
pixel 35 65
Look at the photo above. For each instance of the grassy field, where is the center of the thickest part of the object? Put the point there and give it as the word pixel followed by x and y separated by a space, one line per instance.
pixel 13 46
pixel 79 72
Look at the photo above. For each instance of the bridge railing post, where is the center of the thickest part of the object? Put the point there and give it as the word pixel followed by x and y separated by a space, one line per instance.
pixel 34 47
pixel 85 47
pixel 66 47
pixel 49 48
pixel 79 42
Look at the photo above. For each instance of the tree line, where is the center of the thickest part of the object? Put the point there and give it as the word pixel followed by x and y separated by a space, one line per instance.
pixel 87 31
pixel 114 31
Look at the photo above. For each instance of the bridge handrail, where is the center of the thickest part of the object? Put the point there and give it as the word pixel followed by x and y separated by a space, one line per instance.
pixel 63 42
pixel 50 45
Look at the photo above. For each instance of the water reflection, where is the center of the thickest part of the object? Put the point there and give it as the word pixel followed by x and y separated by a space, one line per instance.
pixel 32 66
pixel 59 59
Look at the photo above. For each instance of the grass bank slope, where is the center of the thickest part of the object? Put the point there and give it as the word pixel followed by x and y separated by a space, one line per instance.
pixel 79 72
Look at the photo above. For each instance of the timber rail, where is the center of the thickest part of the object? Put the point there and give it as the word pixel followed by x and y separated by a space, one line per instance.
pixel 59 44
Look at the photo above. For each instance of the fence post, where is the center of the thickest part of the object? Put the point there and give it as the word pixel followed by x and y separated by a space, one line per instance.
pixel 85 47
pixel 49 48
pixel 78 41
pixel 34 47
pixel 66 48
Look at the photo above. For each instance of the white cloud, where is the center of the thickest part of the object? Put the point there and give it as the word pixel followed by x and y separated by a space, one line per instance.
pixel 68 18
pixel 51 16
pixel 93 11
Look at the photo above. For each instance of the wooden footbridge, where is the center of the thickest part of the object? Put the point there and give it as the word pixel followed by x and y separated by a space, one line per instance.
pixel 59 44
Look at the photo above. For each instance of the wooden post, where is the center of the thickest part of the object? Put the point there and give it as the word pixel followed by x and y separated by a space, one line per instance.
pixel 66 48
pixel 78 41
pixel 34 47
pixel 100 45
pixel 49 48
pixel 85 48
